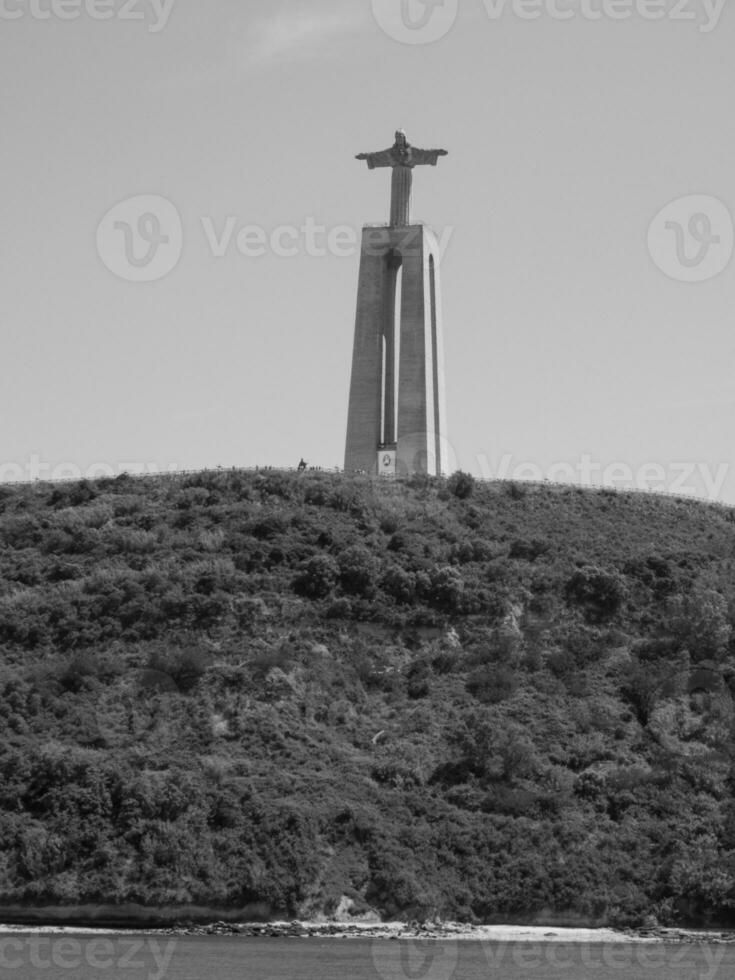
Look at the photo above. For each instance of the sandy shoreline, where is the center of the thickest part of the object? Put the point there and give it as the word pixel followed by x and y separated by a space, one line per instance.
pixel 399 930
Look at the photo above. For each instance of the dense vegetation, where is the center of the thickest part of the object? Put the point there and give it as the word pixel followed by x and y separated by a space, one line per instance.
pixel 434 696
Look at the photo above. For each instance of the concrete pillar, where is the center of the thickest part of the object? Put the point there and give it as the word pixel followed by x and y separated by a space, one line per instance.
pixel 421 413
pixel 400 198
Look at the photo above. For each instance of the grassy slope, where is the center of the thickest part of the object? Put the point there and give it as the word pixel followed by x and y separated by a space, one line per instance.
pixel 236 687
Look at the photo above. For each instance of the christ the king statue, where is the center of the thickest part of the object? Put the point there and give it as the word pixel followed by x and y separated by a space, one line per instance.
pixel 402 157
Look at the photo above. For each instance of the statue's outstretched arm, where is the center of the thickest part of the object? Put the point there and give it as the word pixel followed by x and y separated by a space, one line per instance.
pixel 427 156
pixel 383 158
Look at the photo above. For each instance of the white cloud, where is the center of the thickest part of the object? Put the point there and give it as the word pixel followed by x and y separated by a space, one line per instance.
pixel 284 34
pixel 293 33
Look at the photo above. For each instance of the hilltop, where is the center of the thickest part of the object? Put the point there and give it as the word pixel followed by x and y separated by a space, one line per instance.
pixel 293 694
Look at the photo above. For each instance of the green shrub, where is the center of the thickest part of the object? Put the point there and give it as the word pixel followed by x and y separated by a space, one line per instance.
pixel 644 684
pixel 418 680
pixel 528 550
pixel 79 670
pixel 700 621
pixel 446 589
pixel 186 665
pixel 492 684
pixel 317 578
pixel 358 570
pixel 288 763
pixel 399 584
pixel 462 485
pixel 598 593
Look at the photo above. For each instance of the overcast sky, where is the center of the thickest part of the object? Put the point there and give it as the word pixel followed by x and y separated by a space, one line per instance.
pixel 574 338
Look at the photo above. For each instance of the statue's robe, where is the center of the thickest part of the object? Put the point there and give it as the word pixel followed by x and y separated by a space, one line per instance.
pixel 402 159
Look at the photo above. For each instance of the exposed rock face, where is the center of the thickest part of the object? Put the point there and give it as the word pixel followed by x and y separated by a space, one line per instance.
pixel 348 911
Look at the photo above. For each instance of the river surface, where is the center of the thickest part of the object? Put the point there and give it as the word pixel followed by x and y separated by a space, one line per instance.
pixel 30 956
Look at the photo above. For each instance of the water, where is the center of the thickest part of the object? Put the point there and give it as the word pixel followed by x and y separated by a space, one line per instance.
pixel 27 956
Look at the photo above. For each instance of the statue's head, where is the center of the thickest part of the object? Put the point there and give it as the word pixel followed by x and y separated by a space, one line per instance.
pixel 401 138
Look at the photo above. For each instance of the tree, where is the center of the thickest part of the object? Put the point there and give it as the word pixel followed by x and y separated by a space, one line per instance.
pixel 358 570
pixel 446 591
pixel 647 682
pixel 317 577
pixel 462 485
pixel 398 584
pixel 700 621
pixel 598 593
pixel 496 750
